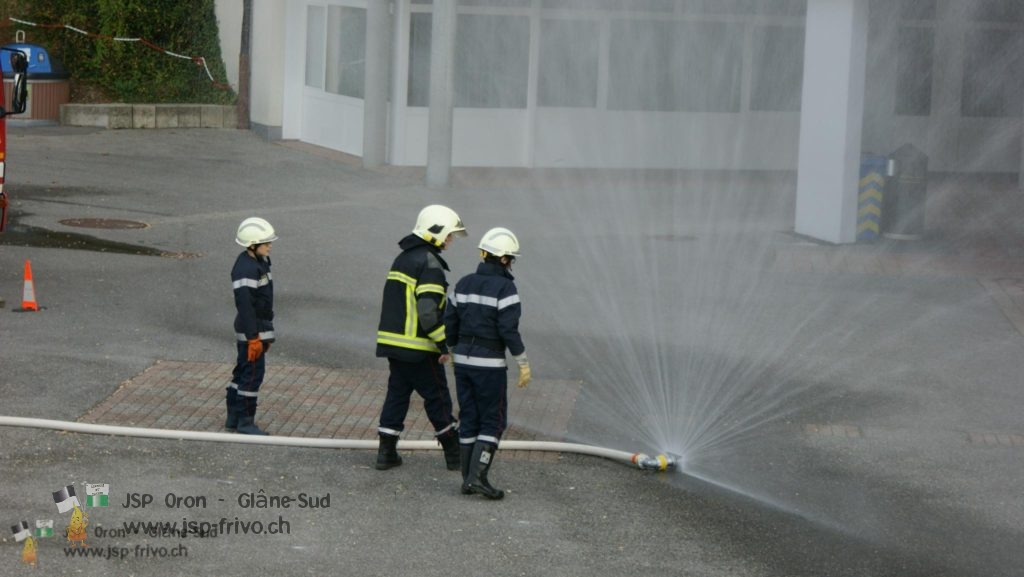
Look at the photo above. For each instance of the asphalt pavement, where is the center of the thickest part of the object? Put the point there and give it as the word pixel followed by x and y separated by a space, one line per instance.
pixel 848 411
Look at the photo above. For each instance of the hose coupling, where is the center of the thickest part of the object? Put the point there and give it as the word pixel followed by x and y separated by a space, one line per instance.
pixel 658 463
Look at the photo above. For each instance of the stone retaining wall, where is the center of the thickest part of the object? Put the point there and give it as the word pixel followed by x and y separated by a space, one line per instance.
pixel 149 115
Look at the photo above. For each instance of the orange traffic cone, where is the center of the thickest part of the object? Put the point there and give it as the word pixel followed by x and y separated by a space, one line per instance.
pixel 28 295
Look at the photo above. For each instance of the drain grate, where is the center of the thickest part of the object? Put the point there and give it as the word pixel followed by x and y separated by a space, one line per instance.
pixel 107 223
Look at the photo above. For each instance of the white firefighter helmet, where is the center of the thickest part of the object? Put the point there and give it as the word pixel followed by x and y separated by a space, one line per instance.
pixel 253 231
pixel 436 222
pixel 500 241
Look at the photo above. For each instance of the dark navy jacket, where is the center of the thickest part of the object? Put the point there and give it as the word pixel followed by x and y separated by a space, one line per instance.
pixel 254 298
pixel 412 311
pixel 482 319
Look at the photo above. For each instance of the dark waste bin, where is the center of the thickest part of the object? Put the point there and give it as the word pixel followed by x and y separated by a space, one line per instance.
pixel 903 204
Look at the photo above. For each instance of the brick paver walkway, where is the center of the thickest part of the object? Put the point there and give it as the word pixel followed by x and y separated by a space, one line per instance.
pixel 305 401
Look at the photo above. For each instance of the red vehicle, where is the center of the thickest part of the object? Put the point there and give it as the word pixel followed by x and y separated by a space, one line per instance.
pixel 19 98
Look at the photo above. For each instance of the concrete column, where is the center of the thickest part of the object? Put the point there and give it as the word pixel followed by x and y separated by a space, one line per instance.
pixel 831 119
pixel 399 80
pixel 375 91
pixel 747 80
pixel 268 69
pixel 533 84
pixel 947 85
pixel 442 93
pixel 604 63
pixel 294 75
pixel 880 121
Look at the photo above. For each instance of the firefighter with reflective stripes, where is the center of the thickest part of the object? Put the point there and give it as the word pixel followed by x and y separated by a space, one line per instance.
pixel 254 327
pixel 482 321
pixel 411 335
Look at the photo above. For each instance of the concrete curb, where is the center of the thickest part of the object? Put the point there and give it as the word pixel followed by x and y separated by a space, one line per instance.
pixel 149 115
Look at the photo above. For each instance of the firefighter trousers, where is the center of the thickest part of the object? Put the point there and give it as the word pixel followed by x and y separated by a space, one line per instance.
pixel 427 378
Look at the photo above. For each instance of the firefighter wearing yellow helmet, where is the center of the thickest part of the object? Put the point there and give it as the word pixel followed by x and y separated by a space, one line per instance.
pixel 482 321
pixel 411 335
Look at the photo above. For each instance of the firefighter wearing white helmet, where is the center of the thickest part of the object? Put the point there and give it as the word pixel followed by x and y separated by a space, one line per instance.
pixel 411 335
pixel 482 321
pixel 253 288
pixel 436 222
pixel 499 242
pixel 254 230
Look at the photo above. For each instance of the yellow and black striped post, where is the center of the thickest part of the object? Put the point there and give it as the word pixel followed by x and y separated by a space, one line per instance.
pixel 869 198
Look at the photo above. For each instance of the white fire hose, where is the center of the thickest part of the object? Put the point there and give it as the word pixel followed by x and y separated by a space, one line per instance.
pixel 640 460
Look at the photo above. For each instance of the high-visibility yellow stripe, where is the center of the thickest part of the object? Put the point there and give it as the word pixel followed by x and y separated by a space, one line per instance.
pixel 411 315
pixel 402 341
pixel 438 334
pixel 429 288
pixel 402 278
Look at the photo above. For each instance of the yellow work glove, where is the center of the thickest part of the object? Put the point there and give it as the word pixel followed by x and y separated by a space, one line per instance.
pixel 524 371
pixel 255 349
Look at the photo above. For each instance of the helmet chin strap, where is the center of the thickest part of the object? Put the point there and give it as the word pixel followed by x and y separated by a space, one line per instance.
pixel 252 250
pixel 434 240
pixel 505 261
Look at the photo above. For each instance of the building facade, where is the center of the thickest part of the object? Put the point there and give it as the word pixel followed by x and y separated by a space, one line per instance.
pixel 805 85
pixel 663 84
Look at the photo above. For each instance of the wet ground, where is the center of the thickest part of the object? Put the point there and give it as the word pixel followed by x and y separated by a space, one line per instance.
pixel 908 467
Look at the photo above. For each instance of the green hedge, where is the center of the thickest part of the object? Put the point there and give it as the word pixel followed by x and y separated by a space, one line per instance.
pixel 130 71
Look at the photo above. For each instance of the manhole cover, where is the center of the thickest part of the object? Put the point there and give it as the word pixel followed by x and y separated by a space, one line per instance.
pixel 110 223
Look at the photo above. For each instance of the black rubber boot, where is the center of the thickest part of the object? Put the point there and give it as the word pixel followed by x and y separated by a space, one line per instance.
pixel 231 423
pixel 479 464
pixel 465 456
pixel 450 443
pixel 247 426
pixel 387 452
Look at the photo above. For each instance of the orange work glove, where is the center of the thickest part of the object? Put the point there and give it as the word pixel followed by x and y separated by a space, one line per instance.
pixel 255 349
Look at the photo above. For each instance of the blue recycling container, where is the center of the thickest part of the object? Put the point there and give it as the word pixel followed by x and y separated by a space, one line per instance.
pixel 48 83
pixel 40 65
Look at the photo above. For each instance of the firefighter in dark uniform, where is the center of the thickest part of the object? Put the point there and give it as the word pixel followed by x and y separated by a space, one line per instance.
pixel 254 327
pixel 482 321
pixel 411 335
